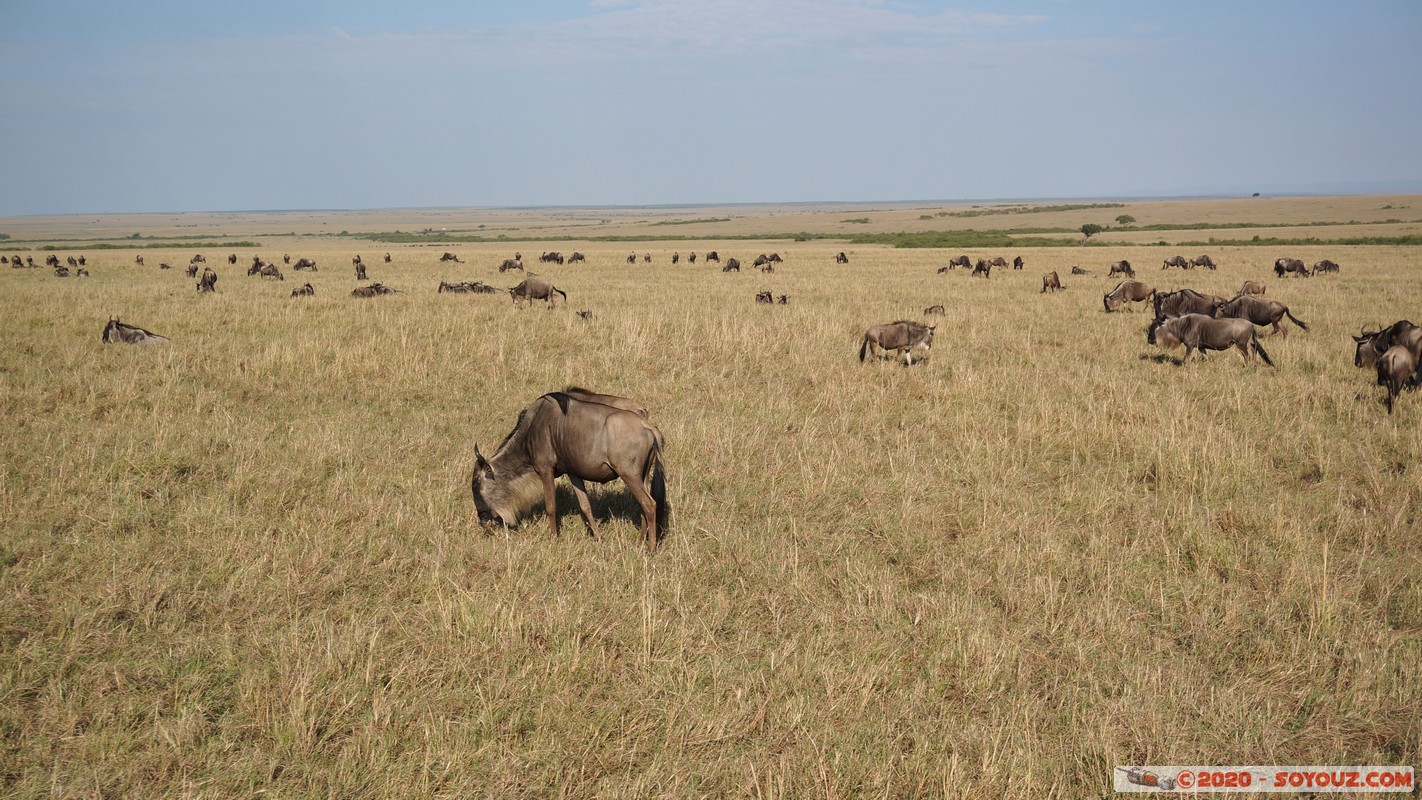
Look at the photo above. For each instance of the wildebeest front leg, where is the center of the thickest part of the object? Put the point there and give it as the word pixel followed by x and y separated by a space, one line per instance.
pixel 581 492
pixel 550 501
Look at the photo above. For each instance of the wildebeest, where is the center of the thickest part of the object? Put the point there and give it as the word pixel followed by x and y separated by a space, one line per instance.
pixel 208 281
pixel 1259 312
pixel 732 265
pixel 1176 261
pixel 1018 263
pixel 61 272
pixel 465 287
pixel 138 260
pixel 713 256
pixel 647 257
pixel 1122 267
pixel 270 271
pixel 764 297
pixel 960 261
pixel 448 256
pixel 577 258
pixel 676 258
pixel 1051 281
pixel 164 265
pixel 356 260
pixel 1080 271
pixel 1284 266
pixel 373 290
pixel 560 434
pixel 783 300
pixel 691 259
pixel 508 264
pixel 1252 287
pixel 631 258
pixel 1395 368
pixel 30 262
pixel 585 315
pixel 1203 261
pixel 761 261
pixel 305 291
pixel 73 262
pixel 360 271
pixel 81 261
pixel 286 258
pixel 117 331
pixel 983 268
pixel 81 273
pixel 1127 291
pixel 51 260
pixel 934 310
pixel 531 289
pixel 898 336
pixel 1371 345
pixel 551 258
pixel 231 258
pixel 387 258
pixel 998 261
pixel 306 263
pixel 841 258
pixel 1185 301
pixel 191 269
pixel 199 259
pixel 1324 266
pixel 1201 332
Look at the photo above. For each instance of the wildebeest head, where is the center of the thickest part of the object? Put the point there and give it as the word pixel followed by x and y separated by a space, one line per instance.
pixel 489 502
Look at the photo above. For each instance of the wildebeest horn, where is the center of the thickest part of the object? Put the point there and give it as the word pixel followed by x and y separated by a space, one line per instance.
pixel 479 461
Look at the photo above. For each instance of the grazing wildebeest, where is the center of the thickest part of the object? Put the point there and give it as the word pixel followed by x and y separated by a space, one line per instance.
pixel 1290 265
pixel 191 270
pixel 531 289
pixel 998 261
pixel 61 272
pixel 585 315
pixel 509 264
pixel 1122 267
pixel 775 258
pixel 631 258
pixel 713 256
pixel 1018 263
pixel 560 434
pixel 983 268
pixel 1175 261
pixel 138 260
pixel 732 265
pixel 1259 312
pixel 208 281
pixel 934 311
pixel 691 259
pixel 898 336
pixel 372 290
pixel 1201 332
pixel 551 258
pixel 448 256
pixel 305 291
pixel 1080 271
pixel 199 259
pixel 577 258
pixel 1252 287
pixel 765 297
pixel 1127 291
pixel 760 261
pixel 1324 266
pixel 360 271
pixel 1185 301
pixel 1203 261
pixel 1374 344
pixel 387 258
pixel 232 258
pixel 960 261
pixel 271 271
pixel 305 263
pixel 1396 367
pixel 841 258
pixel 1051 281
pixel 117 331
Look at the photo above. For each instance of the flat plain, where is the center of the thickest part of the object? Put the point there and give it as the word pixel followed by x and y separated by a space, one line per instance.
pixel 248 562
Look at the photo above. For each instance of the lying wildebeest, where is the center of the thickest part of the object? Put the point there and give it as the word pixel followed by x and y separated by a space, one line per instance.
pixel 1259 312
pixel 270 271
pixel 305 263
pixel 508 264
pixel 783 300
pixel 360 272
pixel 1127 291
pixel 713 256
pixel 1284 266
pixel 373 290
pixel 1371 345
pixel 585 315
pixel 1018 263
pixel 631 258
pixel 305 291
pixel 448 256
pixel 983 268
pixel 934 310
pixel 1203 261
pixel 231 258
pixel 1080 271
pixel 732 265
pixel 560 434
pixel 465 287
pixel 1051 281
pixel 387 258
pixel 61 272
pixel 841 258
pixel 960 261
pixel 117 331
pixel 164 265
pixel 764 297
pixel 138 260
pixel 208 282
pixel 191 270
pixel 1201 332
pixel 1324 266
pixel 1185 301
pixel 531 289
pixel 1175 261
pixel 1252 287
pixel 898 336
pixel 1395 368
pixel 577 258
pixel 1122 267
pixel 81 273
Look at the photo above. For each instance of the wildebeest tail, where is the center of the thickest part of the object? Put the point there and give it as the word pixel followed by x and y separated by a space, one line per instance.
pixel 560 291
pixel 657 480
pixel 1259 348
pixel 864 348
pixel 1295 319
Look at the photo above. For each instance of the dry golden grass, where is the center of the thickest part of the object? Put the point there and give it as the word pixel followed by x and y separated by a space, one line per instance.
pixel 248 562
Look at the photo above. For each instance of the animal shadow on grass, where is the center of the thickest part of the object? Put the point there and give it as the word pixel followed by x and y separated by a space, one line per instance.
pixel 609 501
pixel 1164 358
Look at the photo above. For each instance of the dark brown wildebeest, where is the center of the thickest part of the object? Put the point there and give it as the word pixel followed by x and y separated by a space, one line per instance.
pixel 1201 332
pixel 1374 344
pixel 1051 281
pixel 960 261
pixel 559 434
pixel 1284 266
pixel 1324 266
pixel 1252 287
pixel 387 258
pixel 676 258
pixel 944 270
pixel 373 290
pixel 199 259
pixel 257 264
pixel 732 265
pixel 841 258
pixel 138 260
pixel 286 258
pixel 305 291
pixel 208 281
pixel 631 258
pixel 191 270
pixel 164 265
pixel 117 331
pixel 577 258
pixel 1018 263
pixel 647 257
pixel 1080 271
pixel 585 315
pixel 1122 267
pixel 1260 312
pixel 61 272
pixel 81 273
pixel 1176 261
pixel 760 261
pixel 30 262
pixel 765 297
pixel 551 258
pixel 305 263
pixel 1127 291
pixel 1396 367
pixel 356 260
pixel 898 336
pixel 73 262
pixel 713 256
pixel 465 287
pixel 448 256
pixel 1185 301
pixel 271 271
pixel 509 264
pixel 51 260
pixel 783 300
pixel 4 259
pixel 775 258
pixel 531 289
pixel 1203 261
pixel 232 258
pixel 933 311
pixel 81 261
pixel 691 259
pixel 983 268
pixel 360 272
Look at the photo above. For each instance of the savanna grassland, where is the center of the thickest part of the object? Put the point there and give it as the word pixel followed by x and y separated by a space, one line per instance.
pixel 248 563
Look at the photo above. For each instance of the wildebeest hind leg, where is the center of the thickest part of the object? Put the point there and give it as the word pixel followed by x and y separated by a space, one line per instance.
pixel 646 503
pixel 581 492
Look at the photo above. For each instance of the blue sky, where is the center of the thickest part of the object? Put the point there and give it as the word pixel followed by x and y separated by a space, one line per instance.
pixel 212 106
